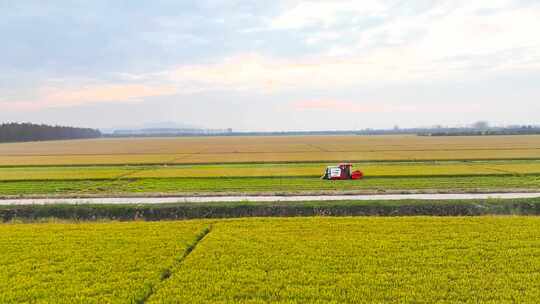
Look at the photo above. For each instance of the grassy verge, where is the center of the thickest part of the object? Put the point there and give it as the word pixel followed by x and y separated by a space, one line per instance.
pixel 252 185
pixel 273 209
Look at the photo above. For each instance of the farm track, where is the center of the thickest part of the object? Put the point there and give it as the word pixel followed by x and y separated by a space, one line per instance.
pixel 297 198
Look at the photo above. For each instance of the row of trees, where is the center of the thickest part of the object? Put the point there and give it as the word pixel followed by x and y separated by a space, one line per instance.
pixel 14 132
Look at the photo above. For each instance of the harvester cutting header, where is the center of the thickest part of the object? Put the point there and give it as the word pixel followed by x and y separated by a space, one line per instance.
pixel 342 172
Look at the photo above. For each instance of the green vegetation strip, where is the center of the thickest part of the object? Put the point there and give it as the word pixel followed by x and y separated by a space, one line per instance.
pixel 267 185
pixel 530 206
pixel 388 169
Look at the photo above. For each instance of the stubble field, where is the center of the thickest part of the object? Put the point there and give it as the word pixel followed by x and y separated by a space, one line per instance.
pixel 196 150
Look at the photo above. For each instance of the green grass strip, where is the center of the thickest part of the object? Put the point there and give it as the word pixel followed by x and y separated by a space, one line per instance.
pixel 530 206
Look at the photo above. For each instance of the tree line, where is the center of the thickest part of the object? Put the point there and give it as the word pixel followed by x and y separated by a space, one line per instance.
pixel 16 132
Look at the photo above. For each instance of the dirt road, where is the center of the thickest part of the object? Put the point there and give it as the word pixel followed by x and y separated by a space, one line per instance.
pixel 206 199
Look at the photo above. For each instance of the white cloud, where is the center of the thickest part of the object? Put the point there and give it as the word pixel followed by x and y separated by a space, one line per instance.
pixel 79 95
pixel 448 41
pixel 257 72
pixel 347 106
pixel 324 13
pixel 451 40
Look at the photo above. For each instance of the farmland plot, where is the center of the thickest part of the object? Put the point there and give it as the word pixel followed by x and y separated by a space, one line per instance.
pixel 299 260
pixel 254 185
pixel 439 168
pixel 267 149
pixel 88 263
pixel 362 260
pixel 288 164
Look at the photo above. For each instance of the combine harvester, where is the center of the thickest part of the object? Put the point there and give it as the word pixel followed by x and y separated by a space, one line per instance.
pixel 342 172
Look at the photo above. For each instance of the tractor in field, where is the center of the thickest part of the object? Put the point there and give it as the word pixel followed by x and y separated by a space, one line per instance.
pixel 342 172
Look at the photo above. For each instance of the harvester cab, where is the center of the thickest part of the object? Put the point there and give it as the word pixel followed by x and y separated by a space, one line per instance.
pixel 342 172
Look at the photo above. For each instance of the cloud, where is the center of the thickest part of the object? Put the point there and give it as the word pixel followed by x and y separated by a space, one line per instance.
pixel 348 106
pixel 324 13
pixel 301 47
pixel 257 72
pixel 68 97
pixel 445 41
pixel 337 106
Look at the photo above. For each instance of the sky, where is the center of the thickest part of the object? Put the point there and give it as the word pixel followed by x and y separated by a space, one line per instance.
pixel 270 65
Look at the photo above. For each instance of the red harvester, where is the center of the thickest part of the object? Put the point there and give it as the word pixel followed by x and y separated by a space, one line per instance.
pixel 341 172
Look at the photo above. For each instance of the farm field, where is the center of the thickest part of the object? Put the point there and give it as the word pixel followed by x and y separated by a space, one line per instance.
pixel 268 149
pixel 299 260
pixel 272 185
pixel 379 169
pixel 89 263
pixel 284 164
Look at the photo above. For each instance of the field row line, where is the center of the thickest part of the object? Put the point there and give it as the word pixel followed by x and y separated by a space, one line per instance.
pixel 165 274
pixel 354 161
pixel 277 152
pixel 290 162
pixel 124 176
pixel 502 173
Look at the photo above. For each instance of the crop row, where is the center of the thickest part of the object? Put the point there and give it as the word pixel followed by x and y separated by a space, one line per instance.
pixel 267 157
pixel 314 184
pixel 270 185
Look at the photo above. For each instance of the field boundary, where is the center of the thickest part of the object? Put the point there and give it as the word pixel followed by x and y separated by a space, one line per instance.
pixel 127 177
pixel 168 272
pixel 184 211
pixel 355 161
pixel 317 149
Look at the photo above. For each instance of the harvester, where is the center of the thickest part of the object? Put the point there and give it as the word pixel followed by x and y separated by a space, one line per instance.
pixel 342 172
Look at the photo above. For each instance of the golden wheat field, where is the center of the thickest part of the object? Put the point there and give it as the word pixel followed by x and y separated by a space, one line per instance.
pixel 268 149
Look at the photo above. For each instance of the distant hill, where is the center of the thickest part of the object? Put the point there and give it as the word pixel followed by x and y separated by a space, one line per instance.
pixel 19 132
pixel 150 126
pixel 169 132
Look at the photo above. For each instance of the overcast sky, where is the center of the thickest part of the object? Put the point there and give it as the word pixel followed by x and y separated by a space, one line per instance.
pixel 270 65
